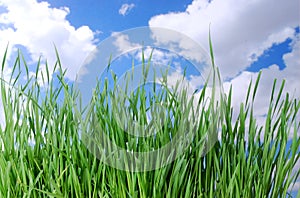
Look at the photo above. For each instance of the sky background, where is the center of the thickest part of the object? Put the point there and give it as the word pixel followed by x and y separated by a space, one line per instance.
pixel 247 35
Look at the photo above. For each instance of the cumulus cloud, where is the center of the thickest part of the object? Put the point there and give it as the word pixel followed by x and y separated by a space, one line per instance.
pixel 126 8
pixel 241 30
pixel 38 27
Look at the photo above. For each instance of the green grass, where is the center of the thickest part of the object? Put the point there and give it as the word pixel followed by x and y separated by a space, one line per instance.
pixel 240 164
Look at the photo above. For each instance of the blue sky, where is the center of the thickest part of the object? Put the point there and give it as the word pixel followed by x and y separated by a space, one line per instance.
pixel 248 35
pixel 104 15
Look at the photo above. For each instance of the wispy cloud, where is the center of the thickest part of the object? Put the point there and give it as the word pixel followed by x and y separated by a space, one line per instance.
pixel 126 8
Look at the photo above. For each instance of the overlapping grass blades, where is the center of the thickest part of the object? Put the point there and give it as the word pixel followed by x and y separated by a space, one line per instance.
pixel 42 155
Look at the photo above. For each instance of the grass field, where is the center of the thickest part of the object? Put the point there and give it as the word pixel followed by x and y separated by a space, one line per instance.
pixel 43 156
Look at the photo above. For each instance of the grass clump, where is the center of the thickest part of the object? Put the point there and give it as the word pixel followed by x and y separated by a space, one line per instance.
pixel 43 156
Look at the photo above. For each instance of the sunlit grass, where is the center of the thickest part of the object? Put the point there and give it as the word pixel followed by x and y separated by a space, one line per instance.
pixel 43 155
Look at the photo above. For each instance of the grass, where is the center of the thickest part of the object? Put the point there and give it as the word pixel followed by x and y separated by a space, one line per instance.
pixel 43 156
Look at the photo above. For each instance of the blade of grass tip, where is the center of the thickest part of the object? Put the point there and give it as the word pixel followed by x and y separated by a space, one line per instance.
pixel 273 91
pixel 150 58
pixel 25 65
pixel 43 78
pixel 214 71
pixel 229 99
pixel 222 97
pixel 19 63
pixel 256 85
pixel 279 94
pixel 4 57
pixel 109 63
pixel 211 49
pixel 143 64
pixel 38 68
pixel 148 66
pixel 57 57
pixel 143 59
pixel 14 69
pixel 248 93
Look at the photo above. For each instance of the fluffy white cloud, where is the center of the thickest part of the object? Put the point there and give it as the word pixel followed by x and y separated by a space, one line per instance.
pixel 241 30
pixel 38 27
pixel 126 8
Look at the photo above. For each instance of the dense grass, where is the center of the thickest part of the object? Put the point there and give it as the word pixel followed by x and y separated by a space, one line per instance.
pixel 42 154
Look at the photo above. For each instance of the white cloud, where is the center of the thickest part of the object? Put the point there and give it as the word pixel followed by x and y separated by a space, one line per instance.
pixel 123 44
pixel 240 30
pixel 126 8
pixel 38 27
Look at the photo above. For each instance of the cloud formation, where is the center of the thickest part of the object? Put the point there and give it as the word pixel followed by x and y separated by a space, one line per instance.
pixel 38 27
pixel 241 31
pixel 126 8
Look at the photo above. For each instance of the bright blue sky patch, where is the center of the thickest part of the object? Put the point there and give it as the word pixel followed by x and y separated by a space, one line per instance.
pixel 104 15
pixel 274 55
